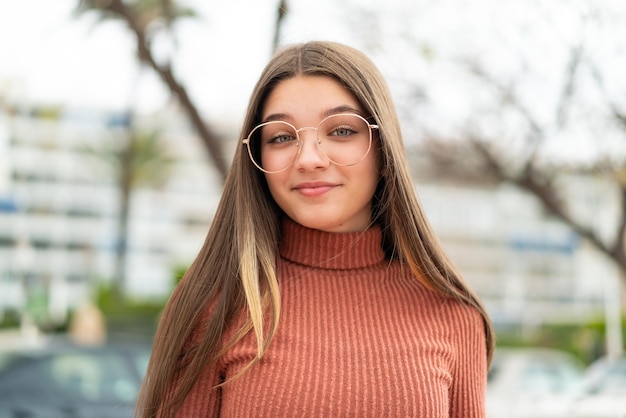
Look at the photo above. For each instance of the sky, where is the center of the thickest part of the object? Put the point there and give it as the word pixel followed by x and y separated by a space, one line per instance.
pixel 424 48
pixel 53 57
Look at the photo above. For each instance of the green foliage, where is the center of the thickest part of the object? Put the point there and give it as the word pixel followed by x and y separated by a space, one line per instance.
pixel 132 316
pixel 146 14
pixel 151 162
pixel 129 317
pixel 586 341
pixel 141 160
pixel 10 319
pixel 179 272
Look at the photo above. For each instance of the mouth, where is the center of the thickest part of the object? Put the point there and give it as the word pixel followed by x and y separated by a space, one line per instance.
pixel 314 189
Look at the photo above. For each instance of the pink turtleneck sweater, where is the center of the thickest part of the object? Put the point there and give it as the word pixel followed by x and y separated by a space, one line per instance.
pixel 359 336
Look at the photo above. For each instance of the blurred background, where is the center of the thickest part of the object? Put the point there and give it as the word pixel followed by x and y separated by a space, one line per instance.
pixel 118 119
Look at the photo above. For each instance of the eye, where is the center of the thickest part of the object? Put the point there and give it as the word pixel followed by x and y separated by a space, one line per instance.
pixel 342 131
pixel 278 133
pixel 281 138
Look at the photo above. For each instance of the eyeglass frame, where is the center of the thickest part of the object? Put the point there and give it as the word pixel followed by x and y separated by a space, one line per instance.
pixel 247 140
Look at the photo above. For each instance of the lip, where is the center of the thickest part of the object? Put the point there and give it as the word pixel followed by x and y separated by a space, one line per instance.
pixel 314 188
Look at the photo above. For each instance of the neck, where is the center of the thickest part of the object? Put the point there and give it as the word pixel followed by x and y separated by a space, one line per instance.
pixel 331 250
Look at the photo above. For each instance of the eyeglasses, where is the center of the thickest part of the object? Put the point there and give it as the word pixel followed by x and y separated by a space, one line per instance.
pixel 345 139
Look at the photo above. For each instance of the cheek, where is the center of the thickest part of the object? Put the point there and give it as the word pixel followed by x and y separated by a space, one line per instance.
pixel 373 170
pixel 274 182
pixel 375 180
pixel 372 182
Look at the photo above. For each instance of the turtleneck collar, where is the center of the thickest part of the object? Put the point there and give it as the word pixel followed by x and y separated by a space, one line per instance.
pixel 329 250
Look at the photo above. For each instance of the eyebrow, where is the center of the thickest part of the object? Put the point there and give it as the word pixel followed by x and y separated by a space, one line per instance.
pixel 332 111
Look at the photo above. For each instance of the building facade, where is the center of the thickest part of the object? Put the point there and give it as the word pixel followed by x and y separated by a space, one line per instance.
pixel 59 211
pixel 59 207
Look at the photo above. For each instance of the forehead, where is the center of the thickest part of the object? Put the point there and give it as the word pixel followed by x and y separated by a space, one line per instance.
pixel 306 96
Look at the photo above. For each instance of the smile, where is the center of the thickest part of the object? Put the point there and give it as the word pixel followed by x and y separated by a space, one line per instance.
pixel 314 189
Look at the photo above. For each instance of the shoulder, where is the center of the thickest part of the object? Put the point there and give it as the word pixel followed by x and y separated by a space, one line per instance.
pixel 444 307
pixel 464 318
pixel 457 315
pixel 466 332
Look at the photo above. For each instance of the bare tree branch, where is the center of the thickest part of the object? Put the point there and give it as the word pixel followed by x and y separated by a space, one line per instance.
pixel 210 139
pixel 616 112
pixel 537 182
pixel 620 244
pixel 547 195
pixel 536 135
pixel 569 86
pixel 281 12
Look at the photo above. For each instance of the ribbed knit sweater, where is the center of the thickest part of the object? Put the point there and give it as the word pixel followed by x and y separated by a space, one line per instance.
pixel 358 336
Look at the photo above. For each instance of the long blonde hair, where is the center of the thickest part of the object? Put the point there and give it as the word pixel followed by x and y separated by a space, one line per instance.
pixel 235 271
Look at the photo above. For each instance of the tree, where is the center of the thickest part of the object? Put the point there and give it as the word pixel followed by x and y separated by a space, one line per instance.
pixel 282 11
pixel 543 179
pixel 509 102
pixel 136 162
pixel 140 159
pixel 533 174
pixel 144 19
pixel 506 138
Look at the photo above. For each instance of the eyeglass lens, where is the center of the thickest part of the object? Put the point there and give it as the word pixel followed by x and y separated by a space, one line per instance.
pixel 344 139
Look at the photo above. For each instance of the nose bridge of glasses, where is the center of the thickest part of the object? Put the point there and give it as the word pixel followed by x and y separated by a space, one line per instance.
pixel 307 128
pixel 312 152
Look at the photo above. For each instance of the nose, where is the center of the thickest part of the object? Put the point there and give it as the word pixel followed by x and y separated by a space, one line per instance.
pixel 310 156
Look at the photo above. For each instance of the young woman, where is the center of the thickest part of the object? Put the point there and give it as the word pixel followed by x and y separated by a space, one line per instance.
pixel 321 289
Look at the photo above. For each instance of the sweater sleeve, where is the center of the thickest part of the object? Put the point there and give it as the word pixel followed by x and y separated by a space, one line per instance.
pixel 469 382
pixel 204 398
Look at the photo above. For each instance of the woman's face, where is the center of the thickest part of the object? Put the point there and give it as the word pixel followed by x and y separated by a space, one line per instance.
pixel 314 191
